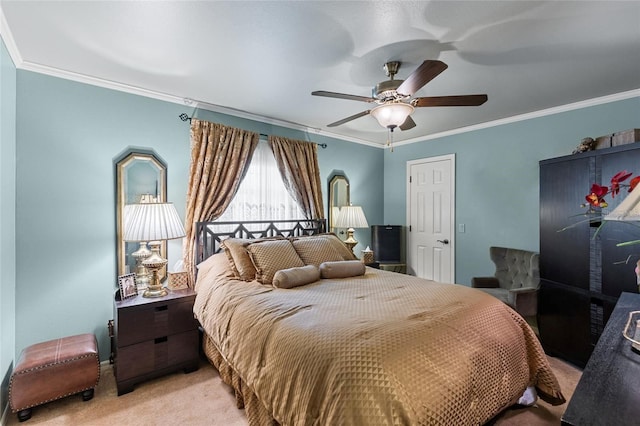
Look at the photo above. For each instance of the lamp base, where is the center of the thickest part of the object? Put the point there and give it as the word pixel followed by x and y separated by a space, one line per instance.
pixel 142 274
pixel 153 263
pixel 350 241
pixel 149 292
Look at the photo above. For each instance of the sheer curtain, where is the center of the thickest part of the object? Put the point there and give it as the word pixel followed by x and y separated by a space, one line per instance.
pixel 262 194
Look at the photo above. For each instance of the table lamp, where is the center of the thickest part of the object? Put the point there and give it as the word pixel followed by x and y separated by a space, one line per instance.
pixel 351 217
pixel 153 222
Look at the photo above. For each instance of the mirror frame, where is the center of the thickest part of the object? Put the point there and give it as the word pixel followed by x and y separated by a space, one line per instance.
pixel 334 181
pixel 122 163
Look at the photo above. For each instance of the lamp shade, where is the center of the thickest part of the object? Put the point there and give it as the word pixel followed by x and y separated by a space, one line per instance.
pixel 351 217
pixel 335 212
pixel 152 222
pixel 392 115
pixel 628 209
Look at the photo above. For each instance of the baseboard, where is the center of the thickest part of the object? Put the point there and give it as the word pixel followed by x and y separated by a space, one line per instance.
pixel 4 392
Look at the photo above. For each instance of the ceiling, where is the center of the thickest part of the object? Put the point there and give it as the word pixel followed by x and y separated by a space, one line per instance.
pixel 263 59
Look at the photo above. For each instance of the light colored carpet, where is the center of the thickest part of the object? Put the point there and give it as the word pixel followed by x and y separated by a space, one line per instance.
pixel 200 398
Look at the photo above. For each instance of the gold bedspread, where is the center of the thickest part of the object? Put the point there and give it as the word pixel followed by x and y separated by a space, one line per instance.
pixel 383 348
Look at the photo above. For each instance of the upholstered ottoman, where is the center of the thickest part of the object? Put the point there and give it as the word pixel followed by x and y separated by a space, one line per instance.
pixel 52 370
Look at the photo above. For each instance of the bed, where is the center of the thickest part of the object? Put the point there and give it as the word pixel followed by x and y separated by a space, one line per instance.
pixel 328 341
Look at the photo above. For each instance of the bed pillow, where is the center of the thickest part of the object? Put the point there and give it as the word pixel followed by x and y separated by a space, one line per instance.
pixel 239 258
pixel 213 266
pixel 344 269
pixel 217 260
pixel 294 277
pixel 272 256
pixel 339 246
pixel 316 250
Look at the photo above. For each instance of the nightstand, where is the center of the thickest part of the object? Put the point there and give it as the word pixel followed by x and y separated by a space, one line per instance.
pixel 153 337
pixel 393 267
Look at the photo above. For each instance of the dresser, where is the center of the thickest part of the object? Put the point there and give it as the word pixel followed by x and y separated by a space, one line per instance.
pixel 153 337
pixel 607 393
pixel 582 271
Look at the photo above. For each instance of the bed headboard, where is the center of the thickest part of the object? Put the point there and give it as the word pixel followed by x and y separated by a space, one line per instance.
pixel 211 234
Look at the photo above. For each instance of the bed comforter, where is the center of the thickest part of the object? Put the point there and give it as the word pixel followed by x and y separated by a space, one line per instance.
pixel 378 349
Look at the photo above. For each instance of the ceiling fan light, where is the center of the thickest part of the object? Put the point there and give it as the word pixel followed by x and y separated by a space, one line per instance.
pixel 392 115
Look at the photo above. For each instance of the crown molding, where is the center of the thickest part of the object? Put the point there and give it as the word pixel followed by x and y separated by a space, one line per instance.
pixel 528 116
pixel 108 84
pixel 81 78
pixel 274 121
pixel 9 42
pixel 19 63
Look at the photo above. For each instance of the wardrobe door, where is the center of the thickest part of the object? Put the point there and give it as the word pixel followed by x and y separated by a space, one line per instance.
pixel 564 300
pixel 564 315
pixel 564 254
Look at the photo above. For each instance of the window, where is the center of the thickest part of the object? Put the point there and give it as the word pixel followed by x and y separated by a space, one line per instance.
pixel 262 194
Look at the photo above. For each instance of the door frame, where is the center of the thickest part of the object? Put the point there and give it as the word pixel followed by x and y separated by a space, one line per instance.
pixel 452 230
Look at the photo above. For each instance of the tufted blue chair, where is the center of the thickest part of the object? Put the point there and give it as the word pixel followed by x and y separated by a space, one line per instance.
pixel 516 280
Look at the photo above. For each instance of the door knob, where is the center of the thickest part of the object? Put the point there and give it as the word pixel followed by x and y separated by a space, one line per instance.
pixel 445 241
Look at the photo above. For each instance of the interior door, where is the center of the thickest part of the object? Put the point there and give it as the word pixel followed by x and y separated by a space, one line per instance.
pixel 431 217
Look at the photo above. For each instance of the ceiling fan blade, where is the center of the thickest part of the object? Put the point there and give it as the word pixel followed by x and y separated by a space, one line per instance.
pixel 342 96
pixel 345 120
pixel 426 72
pixel 408 124
pixel 438 101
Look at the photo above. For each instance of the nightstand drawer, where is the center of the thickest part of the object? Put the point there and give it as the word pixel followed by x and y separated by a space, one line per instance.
pixel 153 321
pixel 156 354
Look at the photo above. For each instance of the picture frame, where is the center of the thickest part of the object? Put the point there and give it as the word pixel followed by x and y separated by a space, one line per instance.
pixel 127 285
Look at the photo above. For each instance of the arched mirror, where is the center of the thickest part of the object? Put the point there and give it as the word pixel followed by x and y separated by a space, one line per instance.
pixel 141 176
pixel 338 197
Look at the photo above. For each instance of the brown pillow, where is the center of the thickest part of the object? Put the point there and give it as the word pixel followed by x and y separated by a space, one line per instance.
pixel 339 246
pixel 272 256
pixel 215 265
pixel 315 250
pixel 344 269
pixel 241 263
pixel 294 277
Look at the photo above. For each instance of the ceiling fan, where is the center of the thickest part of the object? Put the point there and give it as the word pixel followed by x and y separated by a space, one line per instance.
pixel 393 97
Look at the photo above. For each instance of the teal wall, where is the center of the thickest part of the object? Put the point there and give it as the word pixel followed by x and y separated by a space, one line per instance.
pixel 68 135
pixel 7 218
pixel 497 177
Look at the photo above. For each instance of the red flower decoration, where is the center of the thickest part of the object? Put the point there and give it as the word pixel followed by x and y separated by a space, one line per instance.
pixel 598 192
pixel 615 181
pixel 596 197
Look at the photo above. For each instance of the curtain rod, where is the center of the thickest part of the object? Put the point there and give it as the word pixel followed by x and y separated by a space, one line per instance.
pixel 185 117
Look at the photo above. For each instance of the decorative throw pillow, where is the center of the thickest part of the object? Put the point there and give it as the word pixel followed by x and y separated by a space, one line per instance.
pixel 339 246
pixel 344 269
pixel 241 263
pixel 315 250
pixel 294 277
pixel 272 256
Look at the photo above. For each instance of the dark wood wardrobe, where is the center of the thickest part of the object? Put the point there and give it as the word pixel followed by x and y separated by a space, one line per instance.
pixel 582 270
